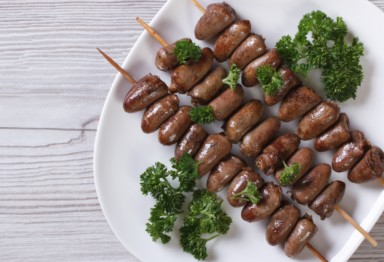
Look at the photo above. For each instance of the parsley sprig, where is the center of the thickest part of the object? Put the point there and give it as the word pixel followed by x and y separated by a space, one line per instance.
pixel 321 43
pixel 204 222
pixel 270 80
pixel 289 174
pixel 202 114
pixel 233 77
pixel 187 51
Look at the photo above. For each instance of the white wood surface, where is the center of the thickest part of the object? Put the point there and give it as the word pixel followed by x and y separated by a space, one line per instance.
pixel 53 85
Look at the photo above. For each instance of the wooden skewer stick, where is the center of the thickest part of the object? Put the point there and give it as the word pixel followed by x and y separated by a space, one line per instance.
pixel 118 68
pixel 199 6
pixel 356 225
pixel 316 253
pixel 380 180
pixel 152 32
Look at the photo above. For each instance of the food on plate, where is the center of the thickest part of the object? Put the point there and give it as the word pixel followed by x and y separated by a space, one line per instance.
pixel 335 136
pixel 318 120
pixel 184 77
pixel 311 184
pixel 249 76
pixel 351 152
pixel 191 141
pixel 270 201
pixel 248 50
pixel 255 140
pixel 209 87
pixel 159 112
pixel 243 120
pixel 304 230
pixel 227 102
pixel 244 188
pixel 281 224
pixel 369 167
pixel 214 20
pixel 224 172
pixel 172 129
pixel 324 204
pixel 143 93
pixel 214 148
pixel 187 52
pixel 298 102
pixel 231 38
pixel 298 165
pixel 270 80
pixel 272 157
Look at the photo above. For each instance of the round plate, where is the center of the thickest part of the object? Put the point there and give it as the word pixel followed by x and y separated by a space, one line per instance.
pixel 123 151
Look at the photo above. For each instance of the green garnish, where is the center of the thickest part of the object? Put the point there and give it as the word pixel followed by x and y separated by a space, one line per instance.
pixel 156 181
pixel 250 193
pixel 202 114
pixel 270 80
pixel 233 77
pixel 289 174
pixel 320 43
pixel 205 221
pixel 187 51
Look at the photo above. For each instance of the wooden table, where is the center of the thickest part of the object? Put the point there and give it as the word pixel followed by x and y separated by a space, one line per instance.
pixel 53 85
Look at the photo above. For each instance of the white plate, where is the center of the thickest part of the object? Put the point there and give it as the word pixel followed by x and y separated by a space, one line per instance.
pixel 123 151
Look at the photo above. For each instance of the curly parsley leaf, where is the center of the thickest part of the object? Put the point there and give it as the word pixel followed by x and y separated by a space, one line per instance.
pixel 187 51
pixel 233 77
pixel 270 80
pixel 202 114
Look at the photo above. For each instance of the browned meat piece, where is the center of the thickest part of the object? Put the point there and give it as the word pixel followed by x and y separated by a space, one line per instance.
pixel 191 141
pixel 214 20
pixel 271 200
pixel 243 120
pixel 214 149
pixel 251 48
pixel 239 183
pixel 304 230
pixel 171 130
pixel 335 135
pixel 223 173
pixel 249 76
pixel 298 102
pixel 184 77
pixel 147 90
pixel 324 204
pixel 281 224
pixel 158 112
pixel 304 157
pixel 350 153
pixel 209 87
pixel 227 102
pixel 318 120
pixel 166 58
pixel 371 166
pixel 278 151
pixel 310 185
pixel 231 38
pixel 255 140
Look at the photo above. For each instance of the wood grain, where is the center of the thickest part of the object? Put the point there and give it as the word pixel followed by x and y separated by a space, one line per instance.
pixel 53 85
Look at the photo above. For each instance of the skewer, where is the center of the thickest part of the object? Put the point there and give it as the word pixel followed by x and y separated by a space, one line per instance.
pixel 380 180
pixel 316 252
pixel 118 68
pixel 152 32
pixel 199 6
pixel 356 225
